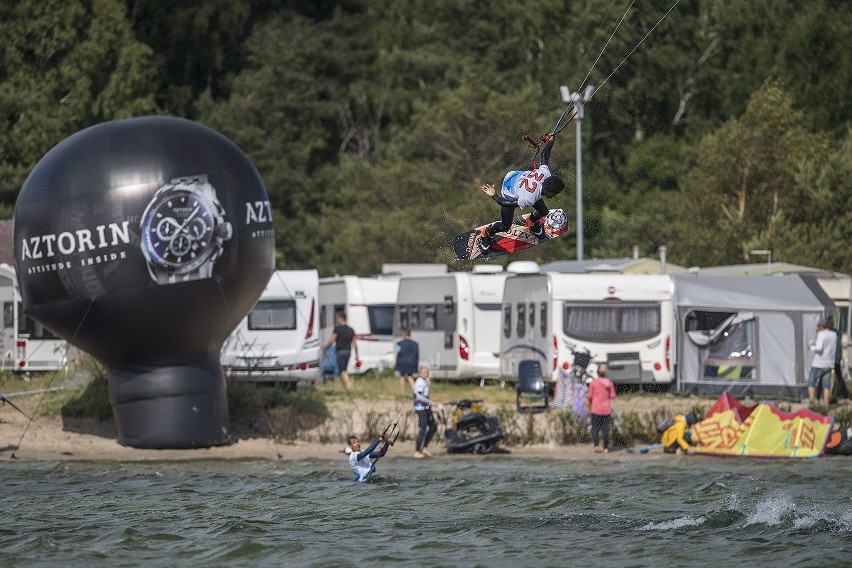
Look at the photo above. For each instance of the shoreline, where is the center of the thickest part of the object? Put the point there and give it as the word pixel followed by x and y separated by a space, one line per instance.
pixel 48 439
pixel 55 438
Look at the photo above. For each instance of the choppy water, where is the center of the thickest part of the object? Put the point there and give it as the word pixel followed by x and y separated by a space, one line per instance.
pixel 448 511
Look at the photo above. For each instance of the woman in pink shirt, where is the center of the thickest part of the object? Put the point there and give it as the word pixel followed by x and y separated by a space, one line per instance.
pixel 601 391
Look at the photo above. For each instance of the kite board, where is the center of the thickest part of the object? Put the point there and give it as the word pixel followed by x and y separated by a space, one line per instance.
pixel 516 239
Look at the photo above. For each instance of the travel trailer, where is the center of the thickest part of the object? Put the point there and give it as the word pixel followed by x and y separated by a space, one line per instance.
pixel 623 320
pixel 279 338
pixel 26 346
pixel 455 318
pixel 369 307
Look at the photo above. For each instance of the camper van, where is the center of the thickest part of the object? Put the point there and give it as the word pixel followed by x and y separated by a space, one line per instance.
pixel 279 338
pixel 368 304
pixel 623 320
pixel 455 318
pixel 26 346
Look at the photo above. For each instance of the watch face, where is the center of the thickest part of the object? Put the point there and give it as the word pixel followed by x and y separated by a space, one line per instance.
pixel 177 231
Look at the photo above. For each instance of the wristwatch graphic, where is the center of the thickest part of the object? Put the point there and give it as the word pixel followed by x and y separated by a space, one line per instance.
pixel 183 230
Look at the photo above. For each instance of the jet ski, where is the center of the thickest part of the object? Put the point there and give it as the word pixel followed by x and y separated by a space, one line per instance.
pixel 470 430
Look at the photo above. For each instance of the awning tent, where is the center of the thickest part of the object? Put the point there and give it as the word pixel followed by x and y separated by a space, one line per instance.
pixel 746 335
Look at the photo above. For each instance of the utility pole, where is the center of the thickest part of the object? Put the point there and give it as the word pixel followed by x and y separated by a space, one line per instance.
pixel 579 100
pixel 768 254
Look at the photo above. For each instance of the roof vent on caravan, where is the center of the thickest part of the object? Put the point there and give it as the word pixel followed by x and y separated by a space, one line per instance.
pixel 487 268
pixel 412 269
pixel 523 267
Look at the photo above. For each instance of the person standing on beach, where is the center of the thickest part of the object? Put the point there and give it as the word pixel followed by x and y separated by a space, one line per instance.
pixel 423 407
pixel 601 392
pixel 343 338
pixel 820 375
pixel 407 357
pixel 839 383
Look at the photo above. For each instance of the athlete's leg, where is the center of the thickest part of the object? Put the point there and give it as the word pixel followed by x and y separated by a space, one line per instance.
pixel 422 421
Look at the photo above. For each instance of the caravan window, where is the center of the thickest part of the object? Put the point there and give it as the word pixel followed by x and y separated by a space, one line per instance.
pixel 273 314
pixel 522 320
pixel 449 306
pixel 28 326
pixel 430 321
pixel 542 319
pixel 403 318
pixel 615 322
pixel 381 319
pixel 507 321
pixel 8 314
pixel 414 316
pixel 323 316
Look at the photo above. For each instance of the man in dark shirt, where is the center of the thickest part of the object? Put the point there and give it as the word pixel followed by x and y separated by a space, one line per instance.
pixel 407 359
pixel 343 338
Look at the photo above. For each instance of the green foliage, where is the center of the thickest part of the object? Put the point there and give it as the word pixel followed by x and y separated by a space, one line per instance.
pixel 91 401
pixel 842 416
pixel 373 124
pixel 567 429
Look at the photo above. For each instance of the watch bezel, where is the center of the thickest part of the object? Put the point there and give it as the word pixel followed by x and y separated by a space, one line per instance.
pixel 164 194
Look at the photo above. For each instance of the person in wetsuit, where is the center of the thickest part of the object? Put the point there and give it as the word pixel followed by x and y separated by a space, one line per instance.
pixel 359 460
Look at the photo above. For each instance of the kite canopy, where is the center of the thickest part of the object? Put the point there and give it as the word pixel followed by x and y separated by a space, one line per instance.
pixel 763 431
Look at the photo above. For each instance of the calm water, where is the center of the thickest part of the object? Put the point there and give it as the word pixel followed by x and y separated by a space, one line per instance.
pixel 448 511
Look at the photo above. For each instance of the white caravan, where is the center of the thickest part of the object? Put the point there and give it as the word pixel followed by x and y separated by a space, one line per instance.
pixel 624 320
pixel 368 304
pixel 455 319
pixel 25 345
pixel 279 338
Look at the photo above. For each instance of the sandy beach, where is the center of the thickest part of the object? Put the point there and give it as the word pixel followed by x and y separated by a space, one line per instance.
pixel 48 439
pixel 62 438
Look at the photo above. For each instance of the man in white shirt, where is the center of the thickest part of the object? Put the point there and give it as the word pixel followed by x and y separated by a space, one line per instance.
pixel 824 348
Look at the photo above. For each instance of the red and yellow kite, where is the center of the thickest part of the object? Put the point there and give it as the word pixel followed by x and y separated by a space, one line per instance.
pixel 732 429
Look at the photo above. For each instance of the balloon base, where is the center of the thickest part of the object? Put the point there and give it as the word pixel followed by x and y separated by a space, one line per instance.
pixel 173 407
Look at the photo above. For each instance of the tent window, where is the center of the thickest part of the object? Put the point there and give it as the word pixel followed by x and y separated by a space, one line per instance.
pixel 731 356
pixel 618 322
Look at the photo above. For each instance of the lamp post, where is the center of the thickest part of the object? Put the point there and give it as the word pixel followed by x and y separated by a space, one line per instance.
pixel 576 98
pixel 768 254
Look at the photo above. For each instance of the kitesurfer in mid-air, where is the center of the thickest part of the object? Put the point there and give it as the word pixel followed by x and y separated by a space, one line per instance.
pixel 523 188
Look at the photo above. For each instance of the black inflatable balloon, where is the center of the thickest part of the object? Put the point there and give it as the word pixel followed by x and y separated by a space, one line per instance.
pixel 144 242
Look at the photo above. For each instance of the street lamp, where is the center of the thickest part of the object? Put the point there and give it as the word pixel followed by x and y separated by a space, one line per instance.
pixel 768 254
pixel 575 98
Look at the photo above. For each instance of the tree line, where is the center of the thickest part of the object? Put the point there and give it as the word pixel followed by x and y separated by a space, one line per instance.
pixel 717 127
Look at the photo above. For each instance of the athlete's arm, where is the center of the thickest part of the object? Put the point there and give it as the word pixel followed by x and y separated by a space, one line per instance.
pixel 381 452
pixel 545 152
pixel 364 453
pixel 420 397
pixel 541 209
